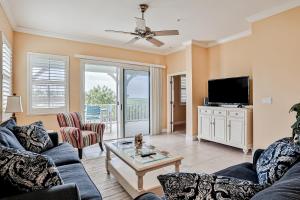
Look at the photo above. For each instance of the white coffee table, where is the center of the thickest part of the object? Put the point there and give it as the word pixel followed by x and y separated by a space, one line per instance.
pixel 133 173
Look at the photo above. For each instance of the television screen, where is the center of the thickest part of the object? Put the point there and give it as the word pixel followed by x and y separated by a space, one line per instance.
pixel 229 91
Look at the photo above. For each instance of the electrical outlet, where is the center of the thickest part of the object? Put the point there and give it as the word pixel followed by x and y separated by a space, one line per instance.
pixel 266 100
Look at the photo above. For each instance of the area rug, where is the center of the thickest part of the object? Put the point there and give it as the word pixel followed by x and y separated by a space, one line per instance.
pixel 94 163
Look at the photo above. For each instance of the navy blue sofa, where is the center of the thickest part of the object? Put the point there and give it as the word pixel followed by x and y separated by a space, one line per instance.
pixel 287 188
pixel 77 184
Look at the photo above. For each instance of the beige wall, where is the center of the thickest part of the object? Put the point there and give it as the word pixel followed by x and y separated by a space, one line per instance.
pixel 180 109
pixel 200 72
pixel 5 26
pixel 231 59
pixel 194 61
pixel 176 62
pixel 276 70
pixel 271 57
pixel 31 43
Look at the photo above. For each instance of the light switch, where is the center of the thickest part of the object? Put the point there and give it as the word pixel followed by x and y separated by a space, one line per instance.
pixel 267 100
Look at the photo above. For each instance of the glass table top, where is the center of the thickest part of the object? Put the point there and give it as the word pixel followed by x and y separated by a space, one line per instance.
pixel 145 154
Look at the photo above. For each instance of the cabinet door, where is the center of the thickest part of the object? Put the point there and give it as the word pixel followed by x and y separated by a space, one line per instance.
pixel 219 128
pixel 204 126
pixel 235 130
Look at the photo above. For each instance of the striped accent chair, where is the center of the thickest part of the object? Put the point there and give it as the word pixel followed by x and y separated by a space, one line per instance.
pixel 80 134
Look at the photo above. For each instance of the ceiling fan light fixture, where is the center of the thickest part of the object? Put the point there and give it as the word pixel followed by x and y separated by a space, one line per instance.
pixel 143 32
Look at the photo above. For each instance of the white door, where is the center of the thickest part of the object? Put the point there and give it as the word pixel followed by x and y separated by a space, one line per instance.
pixel 235 132
pixel 205 126
pixel 219 128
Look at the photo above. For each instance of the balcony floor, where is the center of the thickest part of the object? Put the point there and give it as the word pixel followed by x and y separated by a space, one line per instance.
pixel 132 128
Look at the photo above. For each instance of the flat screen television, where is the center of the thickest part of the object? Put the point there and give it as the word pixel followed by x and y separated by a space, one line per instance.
pixel 229 91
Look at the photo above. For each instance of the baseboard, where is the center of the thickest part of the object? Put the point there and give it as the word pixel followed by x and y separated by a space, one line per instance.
pixel 164 130
pixel 191 138
pixel 179 122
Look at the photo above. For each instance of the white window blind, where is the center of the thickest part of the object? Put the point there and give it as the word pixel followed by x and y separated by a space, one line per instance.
pixel 48 83
pixel 6 75
pixel 183 89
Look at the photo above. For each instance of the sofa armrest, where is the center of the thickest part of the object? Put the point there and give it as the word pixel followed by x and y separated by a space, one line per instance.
pixel 148 196
pixel 66 192
pixel 54 138
pixel 256 155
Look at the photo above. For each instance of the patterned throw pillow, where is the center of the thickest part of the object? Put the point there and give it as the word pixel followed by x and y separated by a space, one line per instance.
pixel 276 160
pixel 187 186
pixel 33 137
pixel 26 171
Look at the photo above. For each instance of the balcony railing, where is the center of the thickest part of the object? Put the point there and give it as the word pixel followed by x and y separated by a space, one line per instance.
pixel 108 112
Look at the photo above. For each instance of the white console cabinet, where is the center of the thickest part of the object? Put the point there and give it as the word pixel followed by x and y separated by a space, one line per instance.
pixel 229 126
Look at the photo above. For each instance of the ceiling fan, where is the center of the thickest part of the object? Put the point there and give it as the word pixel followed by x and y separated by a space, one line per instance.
pixel 143 32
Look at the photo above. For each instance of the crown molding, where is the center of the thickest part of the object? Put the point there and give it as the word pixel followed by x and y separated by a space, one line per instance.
pixel 196 43
pixel 273 11
pixel 4 4
pixel 232 38
pixel 89 40
pixel 177 49
pixel 86 57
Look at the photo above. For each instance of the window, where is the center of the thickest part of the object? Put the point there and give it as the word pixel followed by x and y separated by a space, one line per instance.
pixel 183 89
pixel 48 83
pixel 6 83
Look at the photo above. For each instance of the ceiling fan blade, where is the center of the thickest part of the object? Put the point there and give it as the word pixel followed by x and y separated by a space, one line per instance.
pixel 165 32
pixel 155 42
pixel 140 24
pixel 112 31
pixel 133 40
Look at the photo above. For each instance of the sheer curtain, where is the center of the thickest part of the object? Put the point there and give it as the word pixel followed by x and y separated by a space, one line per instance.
pixel 155 100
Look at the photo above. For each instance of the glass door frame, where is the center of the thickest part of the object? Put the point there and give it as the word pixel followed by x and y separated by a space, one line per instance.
pixel 144 69
pixel 120 89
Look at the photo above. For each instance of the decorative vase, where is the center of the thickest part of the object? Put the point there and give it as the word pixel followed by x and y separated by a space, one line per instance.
pixel 138 141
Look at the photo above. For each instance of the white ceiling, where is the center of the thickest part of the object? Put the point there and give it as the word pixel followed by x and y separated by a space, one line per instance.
pixel 86 20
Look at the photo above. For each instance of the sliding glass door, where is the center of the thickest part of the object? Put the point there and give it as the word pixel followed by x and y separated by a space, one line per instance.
pixel 136 95
pixel 118 96
pixel 101 96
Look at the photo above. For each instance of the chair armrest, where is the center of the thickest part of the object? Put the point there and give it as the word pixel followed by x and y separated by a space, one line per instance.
pixel 73 136
pixel 54 138
pixel 256 155
pixel 95 127
pixel 66 192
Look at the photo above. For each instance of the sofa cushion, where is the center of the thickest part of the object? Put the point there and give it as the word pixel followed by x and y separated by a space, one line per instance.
pixel 205 186
pixel 75 173
pixel 243 171
pixel 286 188
pixel 63 154
pixel 276 160
pixel 33 137
pixel 24 171
pixel 8 139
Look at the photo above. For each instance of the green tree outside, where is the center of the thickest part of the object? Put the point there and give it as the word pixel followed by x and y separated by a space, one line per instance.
pixel 100 95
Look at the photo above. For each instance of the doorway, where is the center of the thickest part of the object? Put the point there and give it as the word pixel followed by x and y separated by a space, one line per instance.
pixel 178 99
pixel 118 96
